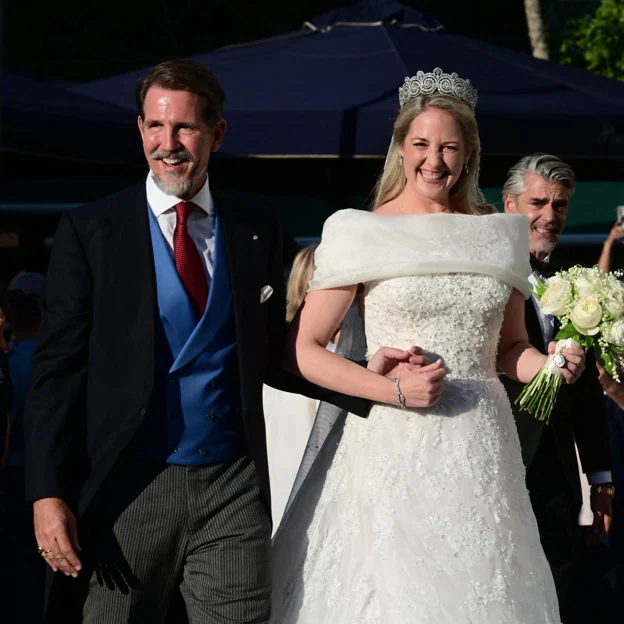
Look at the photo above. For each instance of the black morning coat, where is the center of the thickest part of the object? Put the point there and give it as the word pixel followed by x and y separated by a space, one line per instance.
pixel 93 369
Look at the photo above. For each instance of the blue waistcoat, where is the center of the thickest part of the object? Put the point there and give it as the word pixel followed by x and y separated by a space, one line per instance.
pixel 194 416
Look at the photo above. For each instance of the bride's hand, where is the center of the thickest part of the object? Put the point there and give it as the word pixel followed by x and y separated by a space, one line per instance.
pixel 575 362
pixel 423 387
pixel 395 362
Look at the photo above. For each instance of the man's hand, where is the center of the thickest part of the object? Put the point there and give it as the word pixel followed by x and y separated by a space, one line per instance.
pixel 609 385
pixel 602 506
pixel 394 362
pixel 575 362
pixel 56 533
pixel 612 388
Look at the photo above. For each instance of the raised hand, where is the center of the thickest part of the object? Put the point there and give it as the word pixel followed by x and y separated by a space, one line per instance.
pixel 57 535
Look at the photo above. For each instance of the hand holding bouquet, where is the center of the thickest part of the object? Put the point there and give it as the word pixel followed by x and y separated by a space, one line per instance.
pixel 589 304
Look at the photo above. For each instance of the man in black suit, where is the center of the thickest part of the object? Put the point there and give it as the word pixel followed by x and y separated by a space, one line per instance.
pixel 540 187
pixel 164 315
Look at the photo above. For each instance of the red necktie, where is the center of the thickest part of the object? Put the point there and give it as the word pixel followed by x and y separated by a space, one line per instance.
pixel 188 260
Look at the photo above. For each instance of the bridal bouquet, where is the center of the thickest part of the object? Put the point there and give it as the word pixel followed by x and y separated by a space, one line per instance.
pixel 589 304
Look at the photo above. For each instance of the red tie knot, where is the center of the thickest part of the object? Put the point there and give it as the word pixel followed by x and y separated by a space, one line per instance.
pixel 184 210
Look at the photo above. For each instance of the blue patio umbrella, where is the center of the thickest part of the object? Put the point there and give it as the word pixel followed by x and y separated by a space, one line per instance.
pixel 331 89
pixel 41 118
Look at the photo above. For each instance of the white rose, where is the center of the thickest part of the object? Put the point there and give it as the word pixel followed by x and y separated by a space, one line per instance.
pixel 587 286
pixel 556 297
pixel 554 279
pixel 586 316
pixel 615 304
pixel 615 334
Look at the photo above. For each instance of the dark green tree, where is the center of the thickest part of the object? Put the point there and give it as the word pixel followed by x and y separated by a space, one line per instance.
pixel 596 42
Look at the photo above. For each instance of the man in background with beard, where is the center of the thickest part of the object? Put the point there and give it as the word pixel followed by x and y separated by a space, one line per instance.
pixel 540 187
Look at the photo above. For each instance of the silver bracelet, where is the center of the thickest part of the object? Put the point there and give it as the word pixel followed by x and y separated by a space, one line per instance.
pixel 400 395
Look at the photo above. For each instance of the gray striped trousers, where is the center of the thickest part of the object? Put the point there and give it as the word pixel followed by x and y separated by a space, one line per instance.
pixel 205 530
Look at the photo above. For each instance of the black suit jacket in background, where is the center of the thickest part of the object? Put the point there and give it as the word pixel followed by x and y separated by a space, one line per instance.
pixel 93 369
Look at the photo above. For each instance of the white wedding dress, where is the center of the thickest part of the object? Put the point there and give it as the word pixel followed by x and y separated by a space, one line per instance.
pixel 421 516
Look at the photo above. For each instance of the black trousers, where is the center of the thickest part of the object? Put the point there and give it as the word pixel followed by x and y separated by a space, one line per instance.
pixel 556 511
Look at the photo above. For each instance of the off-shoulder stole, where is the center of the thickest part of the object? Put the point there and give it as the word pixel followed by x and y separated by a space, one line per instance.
pixel 359 247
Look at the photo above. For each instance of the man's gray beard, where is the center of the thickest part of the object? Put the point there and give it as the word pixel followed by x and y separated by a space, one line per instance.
pixel 178 187
pixel 545 248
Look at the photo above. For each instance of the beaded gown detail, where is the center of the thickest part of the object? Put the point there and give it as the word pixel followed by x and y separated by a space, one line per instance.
pixel 422 515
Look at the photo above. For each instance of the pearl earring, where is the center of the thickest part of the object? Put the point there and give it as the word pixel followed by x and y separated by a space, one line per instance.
pixel 466 169
pixel 401 159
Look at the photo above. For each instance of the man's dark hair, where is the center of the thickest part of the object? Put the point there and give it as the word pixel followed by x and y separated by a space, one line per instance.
pixel 185 75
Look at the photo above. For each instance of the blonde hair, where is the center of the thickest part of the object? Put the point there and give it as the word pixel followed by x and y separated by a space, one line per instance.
pixel 300 276
pixel 465 194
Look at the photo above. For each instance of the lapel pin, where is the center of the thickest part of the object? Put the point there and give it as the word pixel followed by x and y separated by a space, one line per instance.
pixel 255 237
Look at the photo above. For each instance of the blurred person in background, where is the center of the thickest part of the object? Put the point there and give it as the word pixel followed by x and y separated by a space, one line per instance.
pixel 540 187
pixel 5 407
pixel 4 345
pixel 27 570
pixel 6 392
pixel 289 417
pixel 614 392
pixel 605 262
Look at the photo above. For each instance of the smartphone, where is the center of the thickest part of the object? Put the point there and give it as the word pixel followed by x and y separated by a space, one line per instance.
pixel 620 216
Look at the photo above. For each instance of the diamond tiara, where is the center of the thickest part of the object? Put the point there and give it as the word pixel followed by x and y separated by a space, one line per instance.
pixel 438 82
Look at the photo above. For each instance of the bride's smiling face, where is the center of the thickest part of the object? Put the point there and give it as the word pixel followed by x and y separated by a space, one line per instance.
pixel 434 154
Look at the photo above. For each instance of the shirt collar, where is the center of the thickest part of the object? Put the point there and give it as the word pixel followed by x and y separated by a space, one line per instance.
pixel 160 202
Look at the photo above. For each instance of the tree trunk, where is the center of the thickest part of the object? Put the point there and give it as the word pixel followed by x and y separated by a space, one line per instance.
pixel 537 31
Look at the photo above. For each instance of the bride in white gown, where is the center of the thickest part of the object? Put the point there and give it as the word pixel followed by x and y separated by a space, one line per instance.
pixel 421 515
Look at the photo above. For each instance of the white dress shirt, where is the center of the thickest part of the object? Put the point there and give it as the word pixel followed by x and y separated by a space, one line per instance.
pixel 547 323
pixel 201 224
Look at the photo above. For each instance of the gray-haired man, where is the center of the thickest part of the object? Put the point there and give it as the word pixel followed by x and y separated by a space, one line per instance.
pixel 540 187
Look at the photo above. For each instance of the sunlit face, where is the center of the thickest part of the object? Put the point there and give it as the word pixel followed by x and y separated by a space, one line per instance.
pixel 546 204
pixel 177 142
pixel 434 154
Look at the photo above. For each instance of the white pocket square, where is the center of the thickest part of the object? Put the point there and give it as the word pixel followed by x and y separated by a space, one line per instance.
pixel 265 293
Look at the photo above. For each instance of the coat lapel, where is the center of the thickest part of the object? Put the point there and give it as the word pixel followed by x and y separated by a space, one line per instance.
pixel 248 250
pixel 128 279
pixel 533 325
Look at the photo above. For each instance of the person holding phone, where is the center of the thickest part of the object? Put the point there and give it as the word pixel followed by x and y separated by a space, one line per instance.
pixel 616 234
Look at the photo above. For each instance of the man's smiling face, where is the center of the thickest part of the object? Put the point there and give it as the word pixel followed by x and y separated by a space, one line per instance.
pixel 177 141
pixel 545 203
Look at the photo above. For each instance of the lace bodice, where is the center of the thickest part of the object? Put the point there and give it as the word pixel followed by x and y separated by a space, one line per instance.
pixel 456 317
